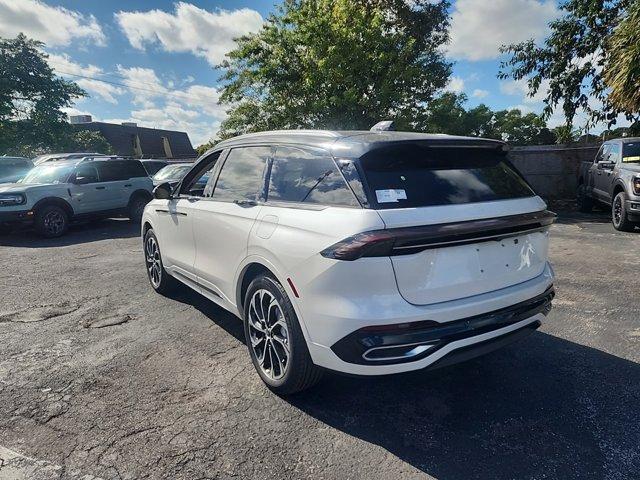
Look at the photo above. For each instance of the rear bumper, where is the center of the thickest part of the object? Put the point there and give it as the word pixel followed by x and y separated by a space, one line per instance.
pixel 455 325
pixel 403 343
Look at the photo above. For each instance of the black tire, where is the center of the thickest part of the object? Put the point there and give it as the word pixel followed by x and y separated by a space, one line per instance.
pixel 51 221
pixel 619 216
pixel 136 207
pixel 299 372
pixel 583 201
pixel 160 280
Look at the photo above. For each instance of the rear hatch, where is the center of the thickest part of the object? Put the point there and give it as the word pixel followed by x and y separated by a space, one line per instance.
pixel 465 222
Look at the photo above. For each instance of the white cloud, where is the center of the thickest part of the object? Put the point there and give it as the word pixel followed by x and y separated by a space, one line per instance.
pixel 193 109
pixel 189 29
pixel 520 87
pixel 479 93
pixel 455 85
pixel 64 66
pixel 480 27
pixel 53 25
pixel 144 84
pixel 524 109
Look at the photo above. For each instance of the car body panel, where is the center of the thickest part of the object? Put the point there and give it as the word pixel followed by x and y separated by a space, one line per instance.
pixel 86 199
pixel 333 298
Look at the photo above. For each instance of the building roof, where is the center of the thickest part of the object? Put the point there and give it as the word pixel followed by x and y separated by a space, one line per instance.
pixel 130 140
pixel 348 143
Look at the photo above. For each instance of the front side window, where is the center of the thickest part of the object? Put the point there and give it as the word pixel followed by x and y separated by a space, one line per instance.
pixel 242 175
pixel 86 174
pixel 415 175
pixel 614 152
pixel 302 176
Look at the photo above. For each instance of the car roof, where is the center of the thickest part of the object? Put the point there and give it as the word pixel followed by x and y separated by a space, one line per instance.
pixel 350 143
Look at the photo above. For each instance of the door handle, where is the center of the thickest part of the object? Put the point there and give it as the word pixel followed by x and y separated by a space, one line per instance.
pixel 127 184
pixel 100 188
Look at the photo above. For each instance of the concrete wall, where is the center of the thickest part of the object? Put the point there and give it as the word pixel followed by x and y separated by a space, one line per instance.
pixel 552 170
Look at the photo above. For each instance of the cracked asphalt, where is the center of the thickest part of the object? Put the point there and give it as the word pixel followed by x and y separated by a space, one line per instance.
pixel 102 378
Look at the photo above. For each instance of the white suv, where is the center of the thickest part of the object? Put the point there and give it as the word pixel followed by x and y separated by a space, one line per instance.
pixel 360 252
pixel 53 194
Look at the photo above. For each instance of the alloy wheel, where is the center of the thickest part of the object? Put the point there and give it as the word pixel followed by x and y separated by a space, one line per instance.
pixel 154 264
pixel 269 334
pixel 617 211
pixel 54 222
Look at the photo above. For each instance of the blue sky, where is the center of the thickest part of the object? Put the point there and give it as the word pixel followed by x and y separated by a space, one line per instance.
pixel 159 55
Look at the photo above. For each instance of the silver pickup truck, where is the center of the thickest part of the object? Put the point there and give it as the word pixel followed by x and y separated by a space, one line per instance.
pixel 612 179
pixel 53 194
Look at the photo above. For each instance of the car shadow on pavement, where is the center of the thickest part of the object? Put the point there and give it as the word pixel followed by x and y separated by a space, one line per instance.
pixel 569 218
pixel 85 232
pixel 541 408
pixel 218 315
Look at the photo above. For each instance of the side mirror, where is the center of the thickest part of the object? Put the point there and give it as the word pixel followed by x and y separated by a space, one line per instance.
pixel 82 180
pixel 606 165
pixel 162 191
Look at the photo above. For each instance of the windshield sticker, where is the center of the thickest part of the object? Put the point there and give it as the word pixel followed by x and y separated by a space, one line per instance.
pixel 390 195
pixel 631 159
pixel 386 196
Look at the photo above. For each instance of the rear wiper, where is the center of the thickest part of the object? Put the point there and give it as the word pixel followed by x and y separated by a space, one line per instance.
pixel 320 179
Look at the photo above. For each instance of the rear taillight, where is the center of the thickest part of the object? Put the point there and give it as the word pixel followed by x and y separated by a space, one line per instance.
pixel 405 241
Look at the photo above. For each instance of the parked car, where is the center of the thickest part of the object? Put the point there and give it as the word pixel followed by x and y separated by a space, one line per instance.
pixel 612 180
pixel 52 195
pixel 55 157
pixel 153 166
pixel 368 253
pixel 173 173
pixel 13 169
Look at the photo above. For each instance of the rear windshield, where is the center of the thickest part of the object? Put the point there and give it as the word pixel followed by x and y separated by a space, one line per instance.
pixel 406 176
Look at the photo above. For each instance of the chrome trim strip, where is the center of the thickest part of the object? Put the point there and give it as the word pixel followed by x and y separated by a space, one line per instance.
pixel 419 348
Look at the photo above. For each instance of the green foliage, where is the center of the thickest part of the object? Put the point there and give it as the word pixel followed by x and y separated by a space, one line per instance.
pixel 447 114
pixel 201 149
pixel 31 98
pixel 565 134
pixel 337 64
pixel 571 60
pixel 87 141
pixel 622 62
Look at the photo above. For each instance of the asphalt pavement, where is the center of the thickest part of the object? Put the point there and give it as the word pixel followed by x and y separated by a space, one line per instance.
pixel 102 378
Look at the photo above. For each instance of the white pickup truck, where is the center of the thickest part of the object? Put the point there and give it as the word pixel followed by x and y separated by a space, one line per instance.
pixel 54 194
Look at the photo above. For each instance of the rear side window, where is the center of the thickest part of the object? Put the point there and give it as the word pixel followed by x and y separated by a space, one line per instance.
pixel 303 176
pixel 116 170
pixel 631 152
pixel 242 175
pixel 416 175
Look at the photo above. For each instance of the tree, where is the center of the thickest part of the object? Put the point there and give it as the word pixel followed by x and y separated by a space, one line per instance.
pixel 571 60
pixel 622 62
pixel 31 97
pixel 201 149
pixel 337 64
pixel 447 114
pixel 87 141
pixel 565 134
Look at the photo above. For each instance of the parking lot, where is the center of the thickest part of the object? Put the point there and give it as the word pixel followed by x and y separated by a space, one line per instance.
pixel 100 377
